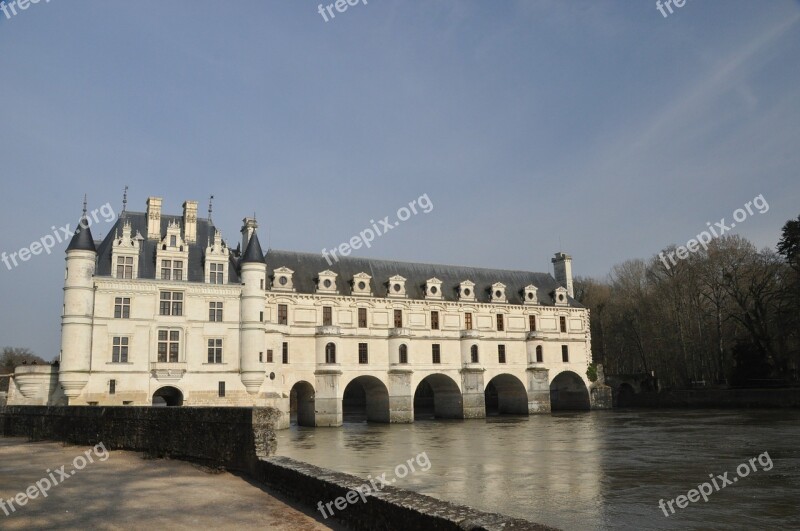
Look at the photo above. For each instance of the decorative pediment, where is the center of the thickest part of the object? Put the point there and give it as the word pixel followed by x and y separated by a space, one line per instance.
pixel 559 296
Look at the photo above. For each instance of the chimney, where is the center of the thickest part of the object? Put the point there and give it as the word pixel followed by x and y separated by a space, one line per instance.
pixel 153 218
pixel 562 267
pixel 190 221
pixel 249 225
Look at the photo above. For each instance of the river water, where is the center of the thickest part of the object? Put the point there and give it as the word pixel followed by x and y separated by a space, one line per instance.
pixel 584 470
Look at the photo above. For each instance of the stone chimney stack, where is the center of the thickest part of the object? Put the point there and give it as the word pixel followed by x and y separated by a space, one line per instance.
pixel 153 218
pixel 190 221
pixel 562 267
pixel 249 225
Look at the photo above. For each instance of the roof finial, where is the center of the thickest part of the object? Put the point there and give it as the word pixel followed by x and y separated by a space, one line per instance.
pixel 125 200
pixel 84 205
pixel 210 206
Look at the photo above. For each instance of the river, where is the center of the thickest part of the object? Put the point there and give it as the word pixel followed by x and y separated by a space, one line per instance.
pixel 585 470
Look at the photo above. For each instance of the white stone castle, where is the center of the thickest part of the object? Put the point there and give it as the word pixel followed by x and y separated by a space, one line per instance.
pixel 163 312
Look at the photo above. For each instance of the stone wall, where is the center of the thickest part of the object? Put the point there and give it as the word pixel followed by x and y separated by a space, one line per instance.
pixel 717 398
pixel 215 436
pixel 389 508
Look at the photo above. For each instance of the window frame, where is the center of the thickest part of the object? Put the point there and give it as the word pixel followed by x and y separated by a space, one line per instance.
pixel 120 349
pixel 434 320
pixel 363 354
pixel 215 351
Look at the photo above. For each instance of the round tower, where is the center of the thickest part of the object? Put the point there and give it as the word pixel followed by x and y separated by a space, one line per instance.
pixel 253 275
pixel 76 320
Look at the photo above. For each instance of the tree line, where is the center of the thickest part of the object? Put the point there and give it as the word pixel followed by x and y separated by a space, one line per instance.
pixel 728 314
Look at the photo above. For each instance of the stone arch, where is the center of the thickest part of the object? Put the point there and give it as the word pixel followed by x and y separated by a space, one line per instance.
pixel 301 404
pixel 168 396
pixel 438 396
pixel 505 394
pixel 625 394
pixel 365 397
pixel 568 391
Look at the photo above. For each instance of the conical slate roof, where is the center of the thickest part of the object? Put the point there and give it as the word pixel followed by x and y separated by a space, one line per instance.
pixel 253 253
pixel 82 239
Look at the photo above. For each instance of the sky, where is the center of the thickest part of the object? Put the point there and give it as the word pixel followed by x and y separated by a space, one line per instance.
pixel 600 128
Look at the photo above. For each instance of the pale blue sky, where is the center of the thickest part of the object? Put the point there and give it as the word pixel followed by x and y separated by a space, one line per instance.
pixel 598 123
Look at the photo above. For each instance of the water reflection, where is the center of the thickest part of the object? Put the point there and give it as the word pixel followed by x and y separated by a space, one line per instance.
pixel 581 470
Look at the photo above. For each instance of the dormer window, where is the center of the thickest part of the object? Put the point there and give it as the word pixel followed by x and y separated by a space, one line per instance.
pixel 397 286
pixel 433 289
pixel 498 292
pixel 559 296
pixel 283 279
pixel 466 291
pixel 125 253
pixel 361 284
pixel 326 282
pixel 172 258
pixel 529 294
pixel 216 261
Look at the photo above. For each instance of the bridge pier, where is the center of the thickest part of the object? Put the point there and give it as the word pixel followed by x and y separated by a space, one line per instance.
pixel 538 390
pixel 327 404
pixel 473 397
pixel 401 396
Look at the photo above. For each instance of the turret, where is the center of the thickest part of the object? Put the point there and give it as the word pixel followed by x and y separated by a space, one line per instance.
pixel 253 274
pixel 76 322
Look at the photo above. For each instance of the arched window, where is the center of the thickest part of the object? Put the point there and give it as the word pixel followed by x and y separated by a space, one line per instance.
pixel 330 353
pixel 474 353
pixel 539 354
pixel 403 354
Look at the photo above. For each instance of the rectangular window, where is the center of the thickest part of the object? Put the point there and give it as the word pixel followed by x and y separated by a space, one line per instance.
pixel 500 323
pixel 539 354
pixel 215 312
pixel 398 318
pixel 327 316
pixel 122 307
pixel 285 353
pixel 215 350
pixel 112 387
pixel 261 316
pixel 563 321
pixel 436 351
pixel 565 353
pixel 468 321
pixel 177 270
pixel 283 314
pixel 363 354
pixel 269 355
pixel 119 350
pixel 169 345
pixel 261 357
pixel 221 390
pixel 434 320
pixel 215 273
pixel 125 267
pixel 171 303
pixel 501 353
pixel 166 269
pixel 362 317
pixel 532 323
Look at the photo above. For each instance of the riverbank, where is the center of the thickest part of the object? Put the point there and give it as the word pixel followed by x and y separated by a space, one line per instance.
pixel 714 398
